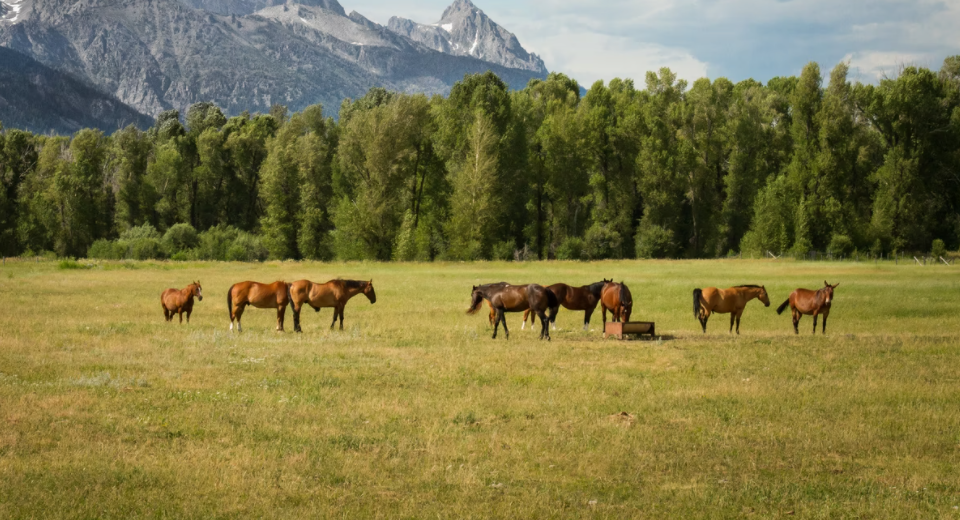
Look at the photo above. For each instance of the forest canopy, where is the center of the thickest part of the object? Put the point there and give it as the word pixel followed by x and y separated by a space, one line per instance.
pixel 666 170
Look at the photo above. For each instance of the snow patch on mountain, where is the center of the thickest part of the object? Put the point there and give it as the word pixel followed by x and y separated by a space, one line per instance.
pixel 11 10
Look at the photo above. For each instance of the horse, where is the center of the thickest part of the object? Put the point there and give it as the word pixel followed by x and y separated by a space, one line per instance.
pixel 616 298
pixel 176 301
pixel 335 293
pixel 262 296
pixel 806 301
pixel 515 298
pixel 722 301
pixel 583 298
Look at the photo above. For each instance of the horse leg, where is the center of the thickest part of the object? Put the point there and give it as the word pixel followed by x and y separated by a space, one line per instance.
pixel 188 315
pixel 237 314
pixel 295 310
pixel 496 324
pixel 814 323
pixel 733 318
pixel 341 316
pixel 796 321
pixel 544 330
pixel 740 313
pixel 553 322
pixel 825 323
pixel 526 314
pixel 281 311
pixel 586 319
pixel 603 310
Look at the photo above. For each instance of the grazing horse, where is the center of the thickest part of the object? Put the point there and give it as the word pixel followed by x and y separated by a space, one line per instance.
pixel 334 293
pixel 176 301
pixel 261 296
pixel 515 298
pixel 616 298
pixel 805 301
pixel 722 301
pixel 583 298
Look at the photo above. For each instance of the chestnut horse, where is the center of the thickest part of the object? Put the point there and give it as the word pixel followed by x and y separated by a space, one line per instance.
pixel 722 301
pixel 515 298
pixel 261 296
pixel 335 293
pixel 616 298
pixel 583 298
pixel 176 301
pixel 805 301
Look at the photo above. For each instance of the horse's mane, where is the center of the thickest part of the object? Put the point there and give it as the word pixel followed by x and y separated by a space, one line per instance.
pixel 749 287
pixel 354 284
pixel 595 288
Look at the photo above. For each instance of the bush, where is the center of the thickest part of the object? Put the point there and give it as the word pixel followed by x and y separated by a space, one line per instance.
pixel 227 243
pixel 602 242
pixel 145 249
pixel 503 250
pixel 145 231
pixel 180 238
pixel 654 242
pixel 570 249
pixel 841 245
pixel 104 249
pixel 938 249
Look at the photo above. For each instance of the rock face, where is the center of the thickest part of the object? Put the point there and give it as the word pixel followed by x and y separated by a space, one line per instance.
pixel 464 30
pixel 160 54
pixel 36 98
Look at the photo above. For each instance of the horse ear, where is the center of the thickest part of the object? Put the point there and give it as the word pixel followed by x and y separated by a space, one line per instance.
pixel 826 284
pixel 835 285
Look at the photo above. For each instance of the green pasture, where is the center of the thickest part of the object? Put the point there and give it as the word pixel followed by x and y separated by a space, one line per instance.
pixel 412 411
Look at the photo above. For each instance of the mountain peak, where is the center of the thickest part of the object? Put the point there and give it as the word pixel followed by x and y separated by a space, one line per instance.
pixel 465 30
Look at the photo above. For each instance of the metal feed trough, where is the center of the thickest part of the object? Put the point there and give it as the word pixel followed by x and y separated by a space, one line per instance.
pixel 621 329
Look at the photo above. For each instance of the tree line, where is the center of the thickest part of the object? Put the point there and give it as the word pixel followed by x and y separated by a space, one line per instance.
pixel 668 171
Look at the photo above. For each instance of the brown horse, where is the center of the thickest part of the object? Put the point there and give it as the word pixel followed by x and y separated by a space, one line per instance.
pixel 261 296
pixel 616 298
pixel 805 301
pixel 722 301
pixel 514 298
pixel 335 293
pixel 583 298
pixel 176 301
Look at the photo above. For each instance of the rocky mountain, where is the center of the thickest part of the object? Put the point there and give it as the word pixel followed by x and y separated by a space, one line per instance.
pixel 159 54
pixel 464 30
pixel 37 98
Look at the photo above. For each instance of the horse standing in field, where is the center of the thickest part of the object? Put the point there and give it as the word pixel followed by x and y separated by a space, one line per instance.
pixel 261 296
pixel 723 301
pixel 176 301
pixel 583 298
pixel 616 298
pixel 515 298
pixel 335 293
pixel 805 301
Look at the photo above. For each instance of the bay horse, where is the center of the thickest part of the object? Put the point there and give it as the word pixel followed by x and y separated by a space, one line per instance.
pixel 583 298
pixel 179 301
pixel 723 301
pixel 514 298
pixel 616 298
pixel 806 301
pixel 261 296
pixel 335 293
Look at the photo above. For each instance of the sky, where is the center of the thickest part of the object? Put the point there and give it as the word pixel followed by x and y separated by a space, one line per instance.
pixel 736 39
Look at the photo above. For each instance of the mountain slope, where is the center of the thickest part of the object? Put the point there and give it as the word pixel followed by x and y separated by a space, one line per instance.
pixel 465 30
pixel 36 98
pixel 160 54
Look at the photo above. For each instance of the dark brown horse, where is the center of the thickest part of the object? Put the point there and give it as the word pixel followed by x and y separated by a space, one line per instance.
pixel 177 301
pixel 805 301
pixel 616 298
pixel 583 298
pixel 721 301
pixel 335 293
pixel 514 298
pixel 261 296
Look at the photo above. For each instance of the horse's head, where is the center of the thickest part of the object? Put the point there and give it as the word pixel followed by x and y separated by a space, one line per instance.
pixel 197 291
pixel 369 292
pixel 763 296
pixel 626 302
pixel 476 298
pixel 828 291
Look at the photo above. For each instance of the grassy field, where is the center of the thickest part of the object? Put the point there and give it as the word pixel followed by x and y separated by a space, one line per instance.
pixel 413 411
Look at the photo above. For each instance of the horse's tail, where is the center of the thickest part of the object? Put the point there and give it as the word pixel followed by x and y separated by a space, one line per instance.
pixel 289 294
pixel 783 306
pixel 230 303
pixel 697 293
pixel 553 305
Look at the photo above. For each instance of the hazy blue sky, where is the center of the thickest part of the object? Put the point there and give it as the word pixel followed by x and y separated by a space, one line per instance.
pixel 737 39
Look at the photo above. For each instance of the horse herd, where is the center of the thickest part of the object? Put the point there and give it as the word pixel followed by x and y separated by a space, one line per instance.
pixel 535 301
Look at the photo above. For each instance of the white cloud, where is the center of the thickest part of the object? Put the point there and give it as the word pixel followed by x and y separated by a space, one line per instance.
pixel 869 67
pixel 589 56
